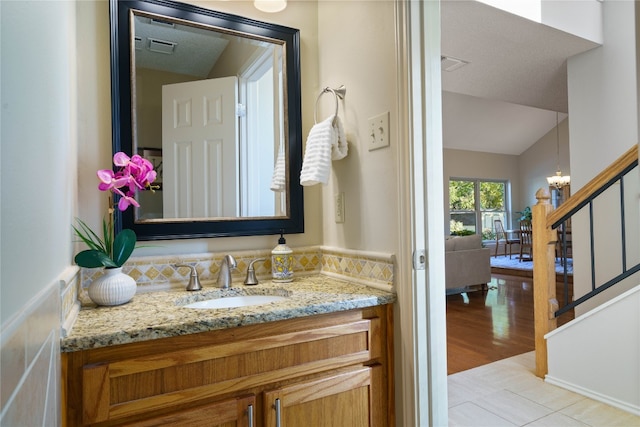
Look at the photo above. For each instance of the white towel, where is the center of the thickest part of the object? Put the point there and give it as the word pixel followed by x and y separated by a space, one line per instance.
pixel 278 183
pixel 326 142
pixel 340 148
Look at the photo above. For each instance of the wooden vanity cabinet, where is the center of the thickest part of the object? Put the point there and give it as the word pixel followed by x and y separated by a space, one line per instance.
pixel 323 370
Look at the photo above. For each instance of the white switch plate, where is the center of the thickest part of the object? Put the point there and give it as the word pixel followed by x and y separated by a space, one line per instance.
pixel 379 131
pixel 339 205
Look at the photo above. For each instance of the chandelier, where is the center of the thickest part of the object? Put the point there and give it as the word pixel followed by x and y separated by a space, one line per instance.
pixel 558 181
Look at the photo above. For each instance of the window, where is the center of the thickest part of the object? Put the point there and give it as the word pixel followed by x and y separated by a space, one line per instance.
pixel 474 205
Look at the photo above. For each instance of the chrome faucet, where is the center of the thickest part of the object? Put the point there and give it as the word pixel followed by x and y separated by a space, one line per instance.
pixel 194 281
pixel 224 277
pixel 251 273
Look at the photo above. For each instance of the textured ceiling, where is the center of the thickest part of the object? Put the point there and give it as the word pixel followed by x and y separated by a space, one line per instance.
pixel 511 61
pixel 478 124
pixel 195 50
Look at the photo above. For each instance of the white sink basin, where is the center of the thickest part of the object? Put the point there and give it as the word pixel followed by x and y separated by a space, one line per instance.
pixel 239 301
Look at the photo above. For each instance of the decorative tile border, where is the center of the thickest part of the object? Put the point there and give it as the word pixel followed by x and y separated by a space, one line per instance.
pixel 70 291
pixel 160 272
pixel 364 267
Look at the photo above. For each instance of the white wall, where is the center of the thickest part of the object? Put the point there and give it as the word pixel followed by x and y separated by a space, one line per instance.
pixel 38 176
pixel 94 109
pixel 604 124
pixel 357 48
pixel 558 14
pixel 614 371
pixel 540 161
pixel 95 117
pixel 38 145
pixel 581 18
pixel 348 55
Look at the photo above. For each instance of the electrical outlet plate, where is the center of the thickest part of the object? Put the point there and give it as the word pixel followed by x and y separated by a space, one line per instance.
pixel 339 205
pixel 379 131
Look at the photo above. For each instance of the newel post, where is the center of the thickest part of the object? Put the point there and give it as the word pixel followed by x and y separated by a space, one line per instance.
pixel 544 278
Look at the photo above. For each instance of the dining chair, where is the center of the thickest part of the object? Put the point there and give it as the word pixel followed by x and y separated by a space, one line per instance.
pixel 526 240
pixel 502 237
pixel 565 245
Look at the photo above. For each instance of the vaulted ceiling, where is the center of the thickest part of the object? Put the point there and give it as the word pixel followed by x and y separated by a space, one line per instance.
pixel 506 97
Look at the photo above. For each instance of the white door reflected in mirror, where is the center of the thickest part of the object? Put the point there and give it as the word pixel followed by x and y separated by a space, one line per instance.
pixel 199 146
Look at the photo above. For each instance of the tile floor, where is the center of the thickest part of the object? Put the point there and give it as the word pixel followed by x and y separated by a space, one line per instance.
pixel 507 393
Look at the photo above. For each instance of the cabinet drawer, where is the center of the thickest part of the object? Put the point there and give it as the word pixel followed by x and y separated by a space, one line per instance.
pixel 228 413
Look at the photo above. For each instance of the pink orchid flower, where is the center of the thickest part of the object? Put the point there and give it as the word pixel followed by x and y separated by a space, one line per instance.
pixel 109 180
pixel 121 159
pixel 134 173
pixel 143 170
pixel 150 176
pixel 126 200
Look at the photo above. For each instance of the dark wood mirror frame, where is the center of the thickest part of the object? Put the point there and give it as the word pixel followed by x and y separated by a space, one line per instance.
pixel 122 123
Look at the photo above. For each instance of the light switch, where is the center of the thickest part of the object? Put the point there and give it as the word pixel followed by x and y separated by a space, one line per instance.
pixel 379 131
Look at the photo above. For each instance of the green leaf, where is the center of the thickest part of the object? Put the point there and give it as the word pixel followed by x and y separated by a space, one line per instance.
pixel 92 258
pixel 87 235
pixel 123 246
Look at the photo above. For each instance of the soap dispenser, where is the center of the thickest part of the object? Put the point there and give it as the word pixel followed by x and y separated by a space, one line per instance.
pixel 282 261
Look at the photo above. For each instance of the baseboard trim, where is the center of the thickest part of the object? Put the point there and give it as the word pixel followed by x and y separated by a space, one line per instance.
pixel 625 406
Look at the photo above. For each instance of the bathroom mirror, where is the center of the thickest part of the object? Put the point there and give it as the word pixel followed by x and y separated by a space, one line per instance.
pixel 213 100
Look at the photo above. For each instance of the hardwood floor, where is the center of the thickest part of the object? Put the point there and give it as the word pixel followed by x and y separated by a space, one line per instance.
pixel 492 325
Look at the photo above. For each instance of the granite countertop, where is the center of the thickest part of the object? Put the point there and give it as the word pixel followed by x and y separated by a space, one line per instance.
pixel 160 314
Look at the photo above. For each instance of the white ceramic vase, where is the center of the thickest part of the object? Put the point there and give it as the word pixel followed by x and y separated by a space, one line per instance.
pixel 112 288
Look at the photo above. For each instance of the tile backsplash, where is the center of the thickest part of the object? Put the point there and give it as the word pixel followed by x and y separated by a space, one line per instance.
pixel 360 266
pixel 154 271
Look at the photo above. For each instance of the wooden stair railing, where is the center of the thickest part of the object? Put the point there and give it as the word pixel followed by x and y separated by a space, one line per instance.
pixel 544 245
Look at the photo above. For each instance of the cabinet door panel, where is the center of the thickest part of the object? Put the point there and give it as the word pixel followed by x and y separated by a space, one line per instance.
pixel 348 408
pixel 342 399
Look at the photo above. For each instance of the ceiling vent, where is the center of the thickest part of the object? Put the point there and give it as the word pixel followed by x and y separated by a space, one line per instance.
pixel 161 46
pixel 449 63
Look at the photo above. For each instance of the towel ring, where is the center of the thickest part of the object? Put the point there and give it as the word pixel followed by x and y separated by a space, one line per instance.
pixel 338 93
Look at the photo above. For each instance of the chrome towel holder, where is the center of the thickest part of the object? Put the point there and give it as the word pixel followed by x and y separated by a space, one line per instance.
pixel 338 93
